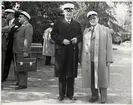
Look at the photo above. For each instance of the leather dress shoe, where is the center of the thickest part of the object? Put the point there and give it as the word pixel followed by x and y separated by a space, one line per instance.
pixel 93 99
pixel 4 79
pixel 104 102
pixel 16 83
pixel 60 98
pixel 71 98
pixel 20 87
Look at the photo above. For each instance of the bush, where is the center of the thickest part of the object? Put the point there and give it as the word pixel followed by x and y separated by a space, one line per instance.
pixel 116 39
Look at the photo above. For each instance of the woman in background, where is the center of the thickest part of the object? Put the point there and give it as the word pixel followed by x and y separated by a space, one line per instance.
pixel 48 46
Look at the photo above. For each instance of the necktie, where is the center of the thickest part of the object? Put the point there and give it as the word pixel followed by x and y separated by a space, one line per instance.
pixel 92 31
pixel 69 21
pixel 9 23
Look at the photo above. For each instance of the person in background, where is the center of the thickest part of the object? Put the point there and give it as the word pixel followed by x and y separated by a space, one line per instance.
pixel 96 58
pixel 22 46
pixel 45 25
pixel 10 29
pixel 67 34
pixel 48 45
pixel 4 45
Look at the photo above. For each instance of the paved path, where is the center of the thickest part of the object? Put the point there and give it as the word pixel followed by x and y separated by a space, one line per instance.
pixel 43 87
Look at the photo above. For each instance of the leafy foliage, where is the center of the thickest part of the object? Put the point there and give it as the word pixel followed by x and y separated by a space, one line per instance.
pixel 43 13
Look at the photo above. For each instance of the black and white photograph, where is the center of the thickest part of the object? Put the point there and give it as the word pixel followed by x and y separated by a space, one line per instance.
pixel 66 52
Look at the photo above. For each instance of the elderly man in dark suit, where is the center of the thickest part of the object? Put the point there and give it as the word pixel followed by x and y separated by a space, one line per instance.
pixel 22 45
pixel 4 45
pixel 10 29
pixel 66 34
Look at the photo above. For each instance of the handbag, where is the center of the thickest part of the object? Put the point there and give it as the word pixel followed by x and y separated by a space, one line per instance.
pixel 26 64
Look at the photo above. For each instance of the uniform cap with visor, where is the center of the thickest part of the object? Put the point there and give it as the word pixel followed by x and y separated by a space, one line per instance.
pixel 90 13
pixel 26 14
pixel 9 11
pixel 3 7
pixel 68 6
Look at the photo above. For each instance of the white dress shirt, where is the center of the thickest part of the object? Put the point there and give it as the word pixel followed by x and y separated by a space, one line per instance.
pixel 11 21
pixel 69 21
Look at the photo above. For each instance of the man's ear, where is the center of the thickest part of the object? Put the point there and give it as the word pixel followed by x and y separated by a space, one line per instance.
pixel 97 19
pixel 63 12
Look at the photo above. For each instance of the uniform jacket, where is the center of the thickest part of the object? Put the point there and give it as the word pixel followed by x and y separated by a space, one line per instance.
pixel 22 33
pixel 66 58
pixel 11 30
pixel 104 57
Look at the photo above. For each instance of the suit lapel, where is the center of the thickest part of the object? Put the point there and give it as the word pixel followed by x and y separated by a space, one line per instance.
pixel 71 24
pixel 20 28
pixel 65 22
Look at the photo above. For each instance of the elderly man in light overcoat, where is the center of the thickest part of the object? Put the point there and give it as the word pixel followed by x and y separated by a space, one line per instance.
pixel 96 57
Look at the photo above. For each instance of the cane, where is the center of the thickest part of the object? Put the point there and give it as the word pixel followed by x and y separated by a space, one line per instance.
pixel 74 60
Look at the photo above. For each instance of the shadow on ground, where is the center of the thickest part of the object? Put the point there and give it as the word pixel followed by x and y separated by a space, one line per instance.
pixel 43 86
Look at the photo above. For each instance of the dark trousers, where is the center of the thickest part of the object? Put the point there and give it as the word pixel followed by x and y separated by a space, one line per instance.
pixel 48 60
pixel 3 61
pixel 7 64
pixel 66 86
pixel 93 89
pixel 103 91
pixel 21 75
pixel 22 78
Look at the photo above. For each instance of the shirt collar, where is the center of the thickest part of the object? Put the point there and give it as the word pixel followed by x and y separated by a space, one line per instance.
pixel 94 27
pixel 68 20
pixel 11 21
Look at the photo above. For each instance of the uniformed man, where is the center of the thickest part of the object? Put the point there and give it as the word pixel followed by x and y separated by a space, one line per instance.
pixel 10 29
pixel 22 46
pixel 67 34
pixel 96 58
pixel 4 45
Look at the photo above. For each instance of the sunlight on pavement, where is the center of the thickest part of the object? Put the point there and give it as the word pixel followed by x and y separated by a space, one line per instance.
pixel 43 86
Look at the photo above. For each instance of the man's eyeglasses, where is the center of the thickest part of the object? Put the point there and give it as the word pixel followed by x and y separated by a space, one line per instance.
pixel 69 9
pixel 92 18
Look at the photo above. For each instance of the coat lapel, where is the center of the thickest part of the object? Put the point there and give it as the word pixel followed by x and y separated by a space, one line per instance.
pixel 65 22
pixel 22 26
pixel 69 26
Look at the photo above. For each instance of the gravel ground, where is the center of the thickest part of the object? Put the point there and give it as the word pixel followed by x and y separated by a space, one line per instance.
pixel 43 87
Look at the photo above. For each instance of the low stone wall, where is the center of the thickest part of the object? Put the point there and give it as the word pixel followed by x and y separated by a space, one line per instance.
pixel 36 50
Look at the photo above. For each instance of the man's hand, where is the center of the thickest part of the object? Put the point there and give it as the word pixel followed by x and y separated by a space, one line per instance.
pixel 12 25
pixel 66 42
pixel 108 63
pixel 25 54
pixel 74 40
pixel 26 42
